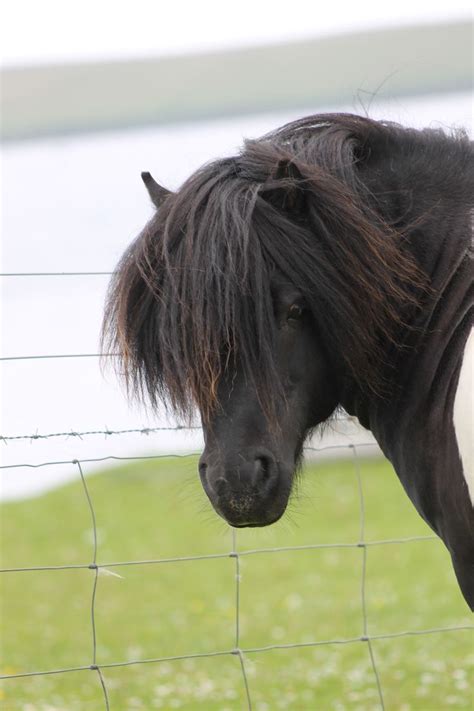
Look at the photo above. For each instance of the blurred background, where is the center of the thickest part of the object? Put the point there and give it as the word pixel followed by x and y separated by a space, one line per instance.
pixel 92 94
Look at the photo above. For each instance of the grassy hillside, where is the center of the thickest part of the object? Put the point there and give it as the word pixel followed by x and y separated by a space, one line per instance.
pixel 157 510
pixel 325 71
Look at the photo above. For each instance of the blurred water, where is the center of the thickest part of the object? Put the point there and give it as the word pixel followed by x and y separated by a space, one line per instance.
pixel 74 204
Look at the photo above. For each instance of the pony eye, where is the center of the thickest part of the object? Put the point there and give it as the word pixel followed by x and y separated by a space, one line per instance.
pixel 295 312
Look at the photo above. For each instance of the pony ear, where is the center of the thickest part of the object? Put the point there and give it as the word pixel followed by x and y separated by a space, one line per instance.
pixel 156 192
pixel 284 190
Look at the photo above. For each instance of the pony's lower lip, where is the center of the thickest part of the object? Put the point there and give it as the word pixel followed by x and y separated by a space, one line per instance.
pixel 255 524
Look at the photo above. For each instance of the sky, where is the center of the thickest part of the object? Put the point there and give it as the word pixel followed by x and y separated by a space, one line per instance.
pixel 55 30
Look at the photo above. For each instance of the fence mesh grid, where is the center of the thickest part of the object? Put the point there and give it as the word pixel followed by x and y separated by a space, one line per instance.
pixel 93 664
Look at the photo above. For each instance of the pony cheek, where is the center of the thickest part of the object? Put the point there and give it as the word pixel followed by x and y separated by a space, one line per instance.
pixel 312 397
pixel 322 405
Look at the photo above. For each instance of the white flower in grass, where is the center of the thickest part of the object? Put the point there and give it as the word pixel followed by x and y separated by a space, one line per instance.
pixel 164 690
pixel 230 694
pixel 453 700
pixel 278 632
pixel 428 678
pixel 293 602
pixel 436 665
pixel 164 668
pixel 357 676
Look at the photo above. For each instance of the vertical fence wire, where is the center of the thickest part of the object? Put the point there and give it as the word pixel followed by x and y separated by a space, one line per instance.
pixel 363 600
pixel 234 554
pixel 93 566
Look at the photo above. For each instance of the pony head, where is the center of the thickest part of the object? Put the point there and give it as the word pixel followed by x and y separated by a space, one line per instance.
pixel 261 290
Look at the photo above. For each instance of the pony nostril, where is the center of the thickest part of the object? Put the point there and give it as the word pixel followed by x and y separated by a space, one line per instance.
pixel 202 469
pixel 262 469
pixel 220 485
pixel 265 470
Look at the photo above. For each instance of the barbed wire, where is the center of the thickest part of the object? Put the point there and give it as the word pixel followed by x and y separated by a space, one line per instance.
pixel 106 432
pixel 134 430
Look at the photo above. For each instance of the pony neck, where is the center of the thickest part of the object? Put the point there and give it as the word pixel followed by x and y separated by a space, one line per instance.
pixel 423 372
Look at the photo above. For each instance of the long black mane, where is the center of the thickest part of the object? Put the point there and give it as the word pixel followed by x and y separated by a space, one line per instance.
pixel 319 202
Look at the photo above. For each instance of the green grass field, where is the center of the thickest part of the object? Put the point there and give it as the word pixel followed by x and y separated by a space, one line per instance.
pixel 156 509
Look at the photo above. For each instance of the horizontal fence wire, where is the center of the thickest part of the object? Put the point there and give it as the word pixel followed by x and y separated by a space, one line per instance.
pixel 247 650
pixel 53 274
pixel 172 455
pixel 212 556
pixel 240 652
pixel 107 432
pixel 59 355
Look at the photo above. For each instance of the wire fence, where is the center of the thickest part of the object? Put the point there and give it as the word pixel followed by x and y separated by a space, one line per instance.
pixel 241 653
pixel 94 665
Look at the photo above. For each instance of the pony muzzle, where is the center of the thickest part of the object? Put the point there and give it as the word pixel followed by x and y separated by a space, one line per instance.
pixel 245 490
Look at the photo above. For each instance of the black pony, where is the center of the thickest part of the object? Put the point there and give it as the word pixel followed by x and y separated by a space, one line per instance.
pixel 328 264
